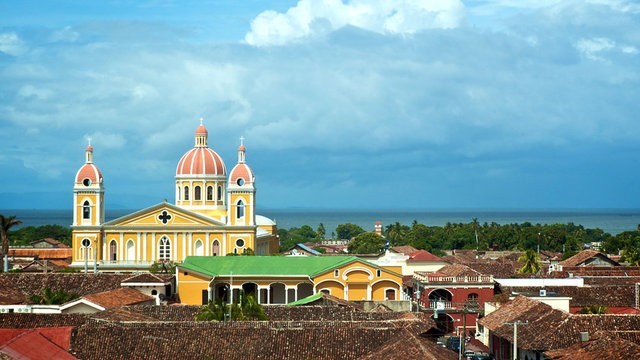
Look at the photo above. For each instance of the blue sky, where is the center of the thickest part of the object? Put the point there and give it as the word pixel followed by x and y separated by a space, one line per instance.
pixel 343 104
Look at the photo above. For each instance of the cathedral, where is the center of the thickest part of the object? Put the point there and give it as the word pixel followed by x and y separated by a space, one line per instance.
pixel 213 215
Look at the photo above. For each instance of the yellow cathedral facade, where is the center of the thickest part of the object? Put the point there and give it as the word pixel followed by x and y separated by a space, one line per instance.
pixel 213 215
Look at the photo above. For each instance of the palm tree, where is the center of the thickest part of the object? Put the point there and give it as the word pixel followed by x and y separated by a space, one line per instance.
pixel 50 297
pixel 531 262
pixel 6 224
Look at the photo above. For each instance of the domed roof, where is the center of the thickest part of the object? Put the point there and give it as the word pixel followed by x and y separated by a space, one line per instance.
pixel 201 130
pixel 201 160
pixel 90 172
pixel 241 171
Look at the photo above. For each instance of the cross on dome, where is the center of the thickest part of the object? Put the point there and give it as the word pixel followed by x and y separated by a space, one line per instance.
pixel 201 119
pixel 241 140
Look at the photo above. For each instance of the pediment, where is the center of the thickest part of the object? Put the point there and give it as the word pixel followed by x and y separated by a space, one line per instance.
pixel 164 214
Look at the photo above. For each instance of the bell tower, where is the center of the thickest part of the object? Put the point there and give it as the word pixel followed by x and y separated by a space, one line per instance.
pixel 88 193
pixel 88 212
pixel 241 192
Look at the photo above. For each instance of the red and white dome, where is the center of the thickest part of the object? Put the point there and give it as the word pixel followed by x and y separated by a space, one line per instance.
pixel 201 160
pixel 241 171
pixel 89 173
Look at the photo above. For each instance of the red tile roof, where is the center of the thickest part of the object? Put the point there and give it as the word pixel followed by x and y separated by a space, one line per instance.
pixel 601 345
pixel 41 253
pixel 405 249
pixel 584 255
pixel 36 344
pixel 423 255
pixel 119 297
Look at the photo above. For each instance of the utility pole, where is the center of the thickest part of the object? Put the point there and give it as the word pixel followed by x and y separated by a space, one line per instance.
pixel 515 336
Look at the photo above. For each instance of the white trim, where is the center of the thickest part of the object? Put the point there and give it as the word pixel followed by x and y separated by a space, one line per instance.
pixel 356 268
pixel 83 301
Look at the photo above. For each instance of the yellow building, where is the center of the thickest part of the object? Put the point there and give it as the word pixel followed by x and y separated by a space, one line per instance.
pixel 213 215
pixel 281 280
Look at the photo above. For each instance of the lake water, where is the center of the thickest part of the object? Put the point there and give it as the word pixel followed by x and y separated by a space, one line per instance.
pixel 610 220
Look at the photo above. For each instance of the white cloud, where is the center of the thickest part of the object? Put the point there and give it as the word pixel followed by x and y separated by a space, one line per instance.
pixel 11 44
pixel 106 140
pixel 316 17
pixel 591 48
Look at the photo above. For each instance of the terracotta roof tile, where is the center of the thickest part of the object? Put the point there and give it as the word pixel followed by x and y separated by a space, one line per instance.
pixel 583 256
pixel 601 345
pixel 148 279
pixel 41 253
pixel 38 344
pixel 405 249
pixel 119 297
pixel 81 284
pixel 423 255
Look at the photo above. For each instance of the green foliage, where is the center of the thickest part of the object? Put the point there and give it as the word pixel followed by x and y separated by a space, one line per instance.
pixel 321 231
pixel 247 310
pixel 491 236
pixel 367 243
pixel 289 238
pixel 6 223
pixel 163 267
pixel 531 262
pixel 26 235
pixel 50 297
pixel 593 309
pixel 631 253
pixel 348 231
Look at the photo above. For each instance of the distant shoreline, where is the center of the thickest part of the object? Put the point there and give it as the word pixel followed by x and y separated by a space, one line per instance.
pixel 612 221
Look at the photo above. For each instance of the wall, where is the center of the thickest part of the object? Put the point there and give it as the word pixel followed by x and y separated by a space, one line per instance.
pixel 579 282
pixel 401 306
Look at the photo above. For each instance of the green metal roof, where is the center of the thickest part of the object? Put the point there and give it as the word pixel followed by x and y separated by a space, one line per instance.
pixel 307 300
pixel 265 265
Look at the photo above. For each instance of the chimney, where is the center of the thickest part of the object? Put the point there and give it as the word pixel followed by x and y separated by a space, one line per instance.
pixel 584 336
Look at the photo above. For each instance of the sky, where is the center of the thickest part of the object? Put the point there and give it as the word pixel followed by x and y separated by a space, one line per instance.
pixel 346 104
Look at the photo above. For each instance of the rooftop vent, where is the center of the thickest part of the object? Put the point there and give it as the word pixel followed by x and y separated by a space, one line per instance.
pixel 584 336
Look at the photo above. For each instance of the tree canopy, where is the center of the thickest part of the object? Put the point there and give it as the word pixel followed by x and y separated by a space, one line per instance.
pixel 367 243
pixel 348 231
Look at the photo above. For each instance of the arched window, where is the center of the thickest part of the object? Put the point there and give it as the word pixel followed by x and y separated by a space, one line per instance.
pixel 198 248
pixel 113 250
pixel 210 193
pixel 196 193
pixel 131 250
pixel 240 209
pixel 215 248
pixel 186 193
pixel 472 298
pixel 164 248
pixel 86 210
pixel 219 192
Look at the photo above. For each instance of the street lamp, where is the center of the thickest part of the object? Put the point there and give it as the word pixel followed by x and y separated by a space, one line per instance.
pixel 85 244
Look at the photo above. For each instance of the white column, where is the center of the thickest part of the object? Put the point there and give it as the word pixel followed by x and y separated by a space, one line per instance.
pixel 138 249
pixel 144 247
pixel 120 255
pixel 154 247
pixel 190 249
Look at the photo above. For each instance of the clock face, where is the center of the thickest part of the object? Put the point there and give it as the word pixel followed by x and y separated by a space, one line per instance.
pixel 240 182
pixel 239 243
pixel 86 242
